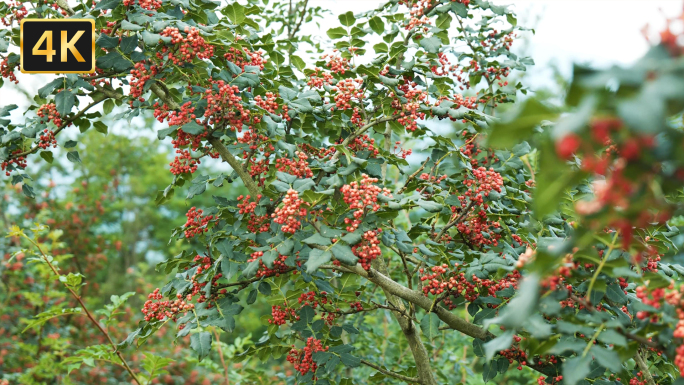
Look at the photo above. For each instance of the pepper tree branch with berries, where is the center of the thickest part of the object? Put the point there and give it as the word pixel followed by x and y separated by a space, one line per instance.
pixel 546 241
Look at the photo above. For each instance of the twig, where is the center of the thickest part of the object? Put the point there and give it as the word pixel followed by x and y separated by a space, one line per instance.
pixel 392 374
pixel 455 221
pixel 85 309
pixel 412 176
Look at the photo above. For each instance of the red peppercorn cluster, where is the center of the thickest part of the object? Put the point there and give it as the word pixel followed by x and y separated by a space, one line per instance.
pixel 364 143
pixel 302 359
pixel 156 309
pixel 47 139
pixel 440 280
pixel 368 248
pixel 18 10
pixel 346 90
pixel 50 114
pixel 7 70
pixel 15 162
pixel 298 167
pixel 337 64
pixel 432 178
pixel 280 316
pixel 417 14
pixel 309 299
pixel 403 153
pixel 150 5
pixel 359 196
pixel 484 182
pixel 291 212
pixel 279 266
pixel 408 111
pixel 245 57
pixel 268 102
pixel 638 380
pixel 225 106
pixel 318 79
pixel 190 46
pixel 553 380
pixel 445 68
pixel 256 223
pixel 139 75
pixel 196 223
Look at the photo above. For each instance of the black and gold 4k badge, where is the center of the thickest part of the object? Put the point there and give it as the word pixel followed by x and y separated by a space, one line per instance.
pixel 57 46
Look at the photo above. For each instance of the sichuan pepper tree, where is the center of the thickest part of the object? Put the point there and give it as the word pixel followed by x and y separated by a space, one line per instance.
pixel 561 241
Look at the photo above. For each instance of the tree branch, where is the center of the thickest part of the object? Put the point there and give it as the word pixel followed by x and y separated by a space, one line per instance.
pixel 65 123
pixel 644 368
pixel 386 372
pixel 226 155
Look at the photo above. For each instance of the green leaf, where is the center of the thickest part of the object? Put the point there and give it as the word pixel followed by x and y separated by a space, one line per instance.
pixel 377 25
pixel 443 21
pixel 390 82
pixel 113 60
pixel 193 128
pixel 47 156
pixel 316 259
pixel 201 343
pixel 108 106
pixel 64 101
pixel 336 33
pixel 614 293
pixel 128 26
pixel 100 127
pixel 575 369
pixel 235 12
pixel 347 19
pixel 28 190
pixel 47 89
pixel 612 337
pixel 128 44
pixel 511 19
pixel 607 358
pixel 520 126
pixel 349 360
pixel 107 4
pixel 317 239
pixel 498 344
pixel 381 48
pixel 429 325
pixel 430 206
pixel 344 254
pixel 298 62
pixel 150 38
pixel 73 157
pixel 489 371
pixel 519 309
pixel 431 44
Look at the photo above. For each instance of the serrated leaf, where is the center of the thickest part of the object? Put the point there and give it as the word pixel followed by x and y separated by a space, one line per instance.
pixel 431 44
pixel 201 344
pixel 64 101
pixel 316 259
pixel 344 254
